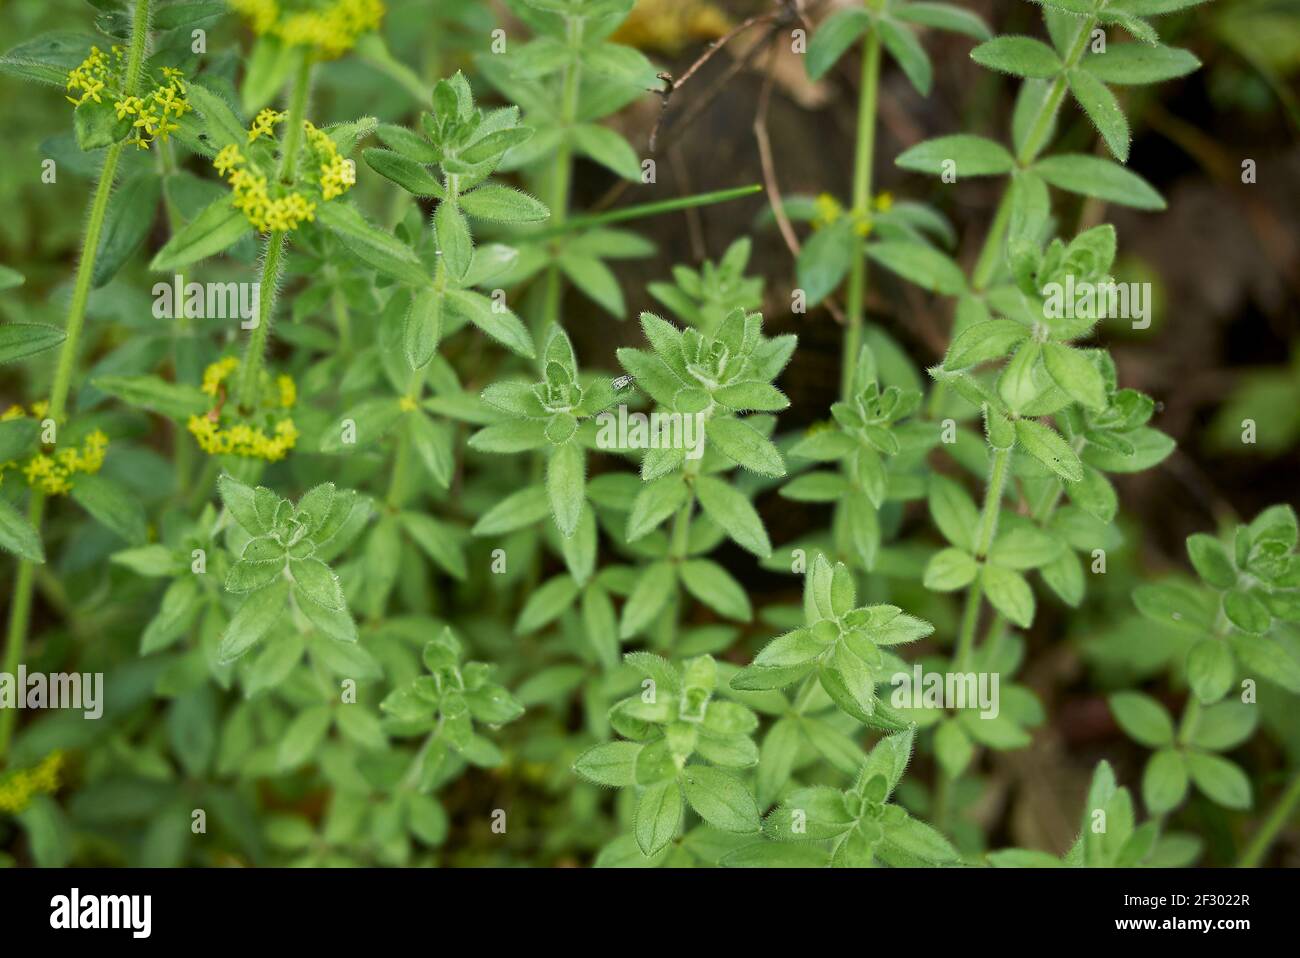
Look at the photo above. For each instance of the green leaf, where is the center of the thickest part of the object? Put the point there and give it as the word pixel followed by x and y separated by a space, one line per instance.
pixel 1222 781
pixel 607 148
pixel 566 471
pixel 455 244
pixel 596 280
pixel 1019 56
pixel 720 799
pixel 547 603
pixel 984 341
pixel 655 502
pixel 436 542
pixel 922 841
pixel 970 156
pixel 654 587
pixel 20 340
pixel 1150 447
pixel 658 815
pixel 1246 612
pixel 174 400
pixel 503 204
pixel 1023 547
pixel 920 265
pixel 18 536
pixel 1103 109
pixel 1164 782
pixel 497 321
pixel 1210 669
pixel 950 569
pixel 113 506
pixel 1010 594
pixel 612 764
pixel 1100 178
pixel 824 260
pixel 422 326
pixel 954 512
pixel 432 444
pixel 734 514
pixel 833 38
pixel 260 611
pixel 1211 561
pixel 1095 495
pixel 372 246
pixel 1225 725
pixel 405 172
pixel 317 582
pixel 744 445
pixel 303 736
pixel 1049 448
pixel 714 586
pixel 1143 719
pixel 944 16
pixel 131 211
pixel 1139 63
pixel 1075 374
pixel 216 228
pixel 180 604
pixel 907 51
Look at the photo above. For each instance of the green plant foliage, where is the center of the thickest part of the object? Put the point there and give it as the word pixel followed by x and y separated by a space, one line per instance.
pixel 379 558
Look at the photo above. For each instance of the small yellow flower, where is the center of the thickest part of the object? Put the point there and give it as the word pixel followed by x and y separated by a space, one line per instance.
pixel 407 404
pixel 18 788
pixel 264 124
pixel 826 210
pixel 96 76
pixel 330 27
pixel 221 432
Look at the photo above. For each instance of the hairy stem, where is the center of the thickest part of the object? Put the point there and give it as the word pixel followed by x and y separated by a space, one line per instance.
pixel 21 604
pixel 862 159
pixel 250 369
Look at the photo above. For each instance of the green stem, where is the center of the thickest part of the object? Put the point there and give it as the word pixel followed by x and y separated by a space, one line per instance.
pixel 250 369
pixel 863 155
pixel 1191 718
pixel 1281 814
pixel 988 526
pixel 21 604
pixel 562 173
pixel 1041 127
pixel 970 618
pixel 991 251
pixel 682 521
pixel 572 224
pixel 297 113
pixel 342 321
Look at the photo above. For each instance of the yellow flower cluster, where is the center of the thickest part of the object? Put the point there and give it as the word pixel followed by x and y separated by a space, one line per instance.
pixel 51 472
pixel 337 175
pixel 153 116
pixel 253 198
pixel 241 438
pixel 264 124
pixel 253 187
pixel 827 209
pixel 331 28
pixel 17 788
